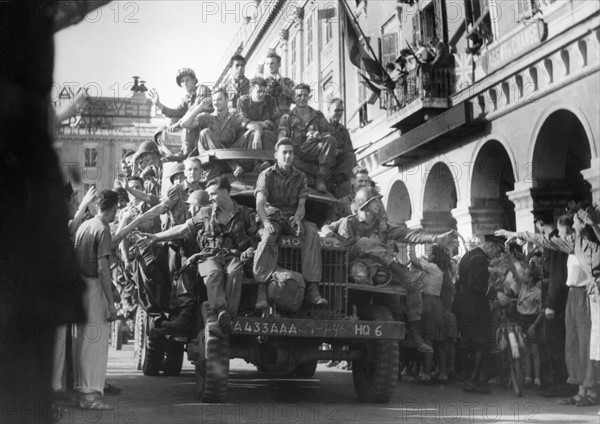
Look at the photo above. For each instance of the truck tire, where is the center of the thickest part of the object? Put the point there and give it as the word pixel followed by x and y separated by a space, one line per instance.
pixel 173 358
pixel 212 368
pixel 375 374
pixel 138 337
pixel 306 369
pixel 116 334
pixel 153 352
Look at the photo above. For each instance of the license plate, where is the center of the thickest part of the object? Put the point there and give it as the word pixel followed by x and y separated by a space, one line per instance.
pixel 294 327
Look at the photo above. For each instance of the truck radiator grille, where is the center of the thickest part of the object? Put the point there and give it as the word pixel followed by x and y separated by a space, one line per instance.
pixel 333 280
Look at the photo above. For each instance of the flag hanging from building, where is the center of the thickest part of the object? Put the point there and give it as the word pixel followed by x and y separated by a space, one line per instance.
pixel 374 88
pixel 357 53
pixel 463 70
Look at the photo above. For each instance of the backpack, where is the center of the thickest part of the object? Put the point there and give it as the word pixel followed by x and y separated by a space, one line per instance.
pixel 286 289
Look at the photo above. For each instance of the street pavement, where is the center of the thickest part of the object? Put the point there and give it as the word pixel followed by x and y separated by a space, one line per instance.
pixel 327 398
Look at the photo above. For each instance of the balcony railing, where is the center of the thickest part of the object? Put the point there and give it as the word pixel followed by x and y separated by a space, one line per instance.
pixel 420 84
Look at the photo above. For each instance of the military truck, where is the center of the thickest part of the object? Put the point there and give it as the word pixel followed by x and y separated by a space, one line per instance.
pixel 354 326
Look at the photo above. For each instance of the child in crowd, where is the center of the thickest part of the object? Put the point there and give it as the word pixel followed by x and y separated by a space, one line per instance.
pixel 433 325
pixel 525 281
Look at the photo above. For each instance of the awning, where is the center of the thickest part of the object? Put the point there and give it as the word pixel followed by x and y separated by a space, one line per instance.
pixel 423 134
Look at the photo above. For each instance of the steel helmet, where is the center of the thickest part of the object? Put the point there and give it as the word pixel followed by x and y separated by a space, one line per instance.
pixel 198 198
pixel 174 169
pixel 364 196
pixel 183 72
pixel 147 147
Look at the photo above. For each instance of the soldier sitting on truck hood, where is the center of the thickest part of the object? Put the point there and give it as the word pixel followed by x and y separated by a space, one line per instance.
pixel 362 234
pixel 284 188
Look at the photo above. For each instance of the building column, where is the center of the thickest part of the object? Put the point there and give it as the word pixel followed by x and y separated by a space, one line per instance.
pixel 523 201
pixel 473 222
pixel 526 199
pixel 592 176
pixel 437 222
pixel 415 223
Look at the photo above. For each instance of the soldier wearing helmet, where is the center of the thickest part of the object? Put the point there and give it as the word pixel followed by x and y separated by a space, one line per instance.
pixel 360 178
pixel 175 173
pixel 197 200
pixel 198 96
pixel 149 159
pixel 363 234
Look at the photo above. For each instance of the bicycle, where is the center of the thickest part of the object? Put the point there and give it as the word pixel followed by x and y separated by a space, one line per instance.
pixel 511 342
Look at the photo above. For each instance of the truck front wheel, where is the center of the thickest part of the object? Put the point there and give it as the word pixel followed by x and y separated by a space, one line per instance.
pixel 375 374
pixel 212 368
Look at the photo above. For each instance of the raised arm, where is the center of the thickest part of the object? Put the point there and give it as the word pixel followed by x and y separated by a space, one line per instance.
pixel 78 218
pixel 412 256
pixel 565 244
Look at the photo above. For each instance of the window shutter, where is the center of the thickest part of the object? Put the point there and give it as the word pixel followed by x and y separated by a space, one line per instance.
pixel 389 48
pixel 416 21
pixel 441 31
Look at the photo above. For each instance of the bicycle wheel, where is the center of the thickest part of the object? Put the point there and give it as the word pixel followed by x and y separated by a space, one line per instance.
pixel 516 376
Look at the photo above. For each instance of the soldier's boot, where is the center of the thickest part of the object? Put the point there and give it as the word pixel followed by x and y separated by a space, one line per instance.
pixel 414 336
pixel 313 296
pixel 261 297
pixel 181 325
pixel 224 321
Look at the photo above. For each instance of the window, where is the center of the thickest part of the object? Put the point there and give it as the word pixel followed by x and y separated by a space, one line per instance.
pixel 86 187
pixel 389 48
pixel 309 40
pixel 91 156
pixel 527 8
pixel 363 115
pixel 328 31
pixel 293 58
pixel 479 21
pixel 429 23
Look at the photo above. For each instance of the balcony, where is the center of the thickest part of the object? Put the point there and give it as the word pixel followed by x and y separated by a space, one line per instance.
pixel 420 93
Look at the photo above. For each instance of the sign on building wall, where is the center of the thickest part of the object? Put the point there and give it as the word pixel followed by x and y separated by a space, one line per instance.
pixel 520 43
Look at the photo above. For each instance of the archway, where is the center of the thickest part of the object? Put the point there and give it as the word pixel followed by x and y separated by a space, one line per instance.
pixel 398 205
pixel 439 199
pixel 492 178
pixel 561 152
